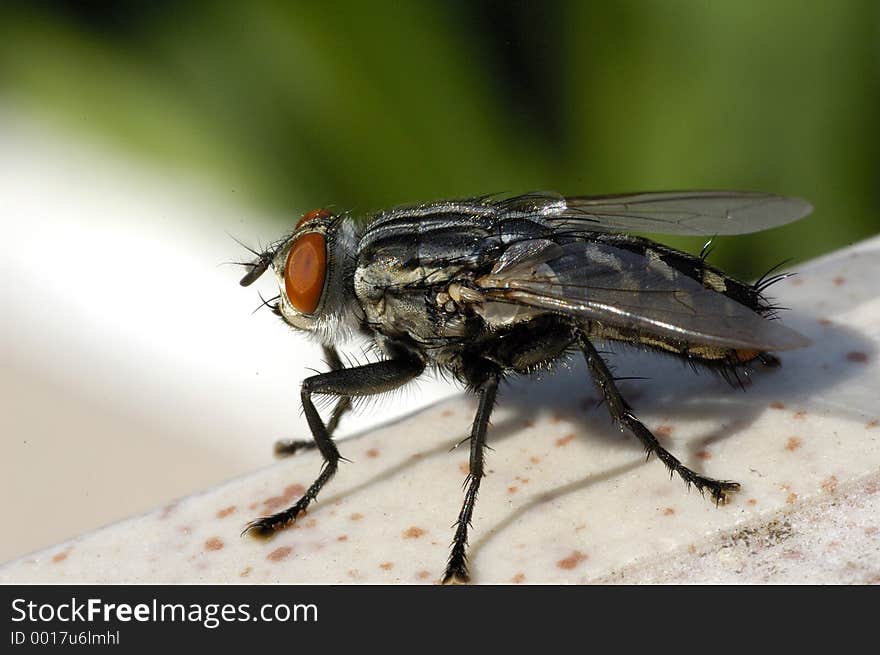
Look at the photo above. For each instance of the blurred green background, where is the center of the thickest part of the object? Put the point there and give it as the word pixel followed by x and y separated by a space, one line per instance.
pixel 361 105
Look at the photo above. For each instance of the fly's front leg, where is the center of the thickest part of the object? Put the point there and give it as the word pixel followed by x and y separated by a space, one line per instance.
pixel 364 380
pixel 622 413
pixel 285 447
pixel 456 568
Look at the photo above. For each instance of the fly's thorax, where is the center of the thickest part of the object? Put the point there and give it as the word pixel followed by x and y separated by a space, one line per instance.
pixel 314 269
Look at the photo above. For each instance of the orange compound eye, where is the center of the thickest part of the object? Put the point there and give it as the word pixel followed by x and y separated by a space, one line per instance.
pixel 312 215
pixel 305 272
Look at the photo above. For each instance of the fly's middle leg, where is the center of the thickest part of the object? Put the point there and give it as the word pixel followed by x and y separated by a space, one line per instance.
pixel 623 414
pixel 366 380
pixel 285 447
pixel 456 567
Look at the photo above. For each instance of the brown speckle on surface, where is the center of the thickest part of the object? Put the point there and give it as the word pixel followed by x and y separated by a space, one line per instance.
pixel 245 572
pixel 857 357
pixel 518 578
pixel 873 423
pixel 386 566
pixel 60 557
pixel 830 484
pixel 791 498
pixel 354 573
pixel 413 532
pixel 667 511
pixel 838 281
pixel 372 453
pixel 342 537
pixel 563 441
pixel 167 510
pixel 528 423
pixel 572 560
pixel 663 431
pixel 825 322
pixel 793 443
pixel 291 493
pixel 512 490
pixel 798 281
pixel 579 527
pixel 279 554
pixel 423 574
pixel 534 459
pixel 777 405
pixel 214 543
pixel 799 415
pixel 464 467
pixel 447 412
pixel 703 454
pixel 752 501
pixel 357 516
pixel 226 511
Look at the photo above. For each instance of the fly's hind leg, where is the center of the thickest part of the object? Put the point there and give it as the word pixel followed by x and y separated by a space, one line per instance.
pixel 286 447
pixel 622 413
pixel 366 380
pixel 485 383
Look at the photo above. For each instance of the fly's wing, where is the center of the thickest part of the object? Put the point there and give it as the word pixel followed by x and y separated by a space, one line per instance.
pixel 628 290
pixel 665 212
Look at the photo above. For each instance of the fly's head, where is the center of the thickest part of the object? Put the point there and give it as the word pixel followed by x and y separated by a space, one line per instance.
pixel 314 267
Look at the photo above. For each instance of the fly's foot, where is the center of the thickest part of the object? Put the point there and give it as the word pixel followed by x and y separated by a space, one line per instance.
pixel 456 568
pixel 720 490
pixel 267 526
pixel 288 447
pixel 455 576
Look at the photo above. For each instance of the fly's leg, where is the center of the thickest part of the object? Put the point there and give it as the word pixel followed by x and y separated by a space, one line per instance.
pixel 364 380
pixel 285 447
pixel 456 567
pixel 622 413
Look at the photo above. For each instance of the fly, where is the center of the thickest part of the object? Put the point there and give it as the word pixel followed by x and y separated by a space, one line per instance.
pixel 489 287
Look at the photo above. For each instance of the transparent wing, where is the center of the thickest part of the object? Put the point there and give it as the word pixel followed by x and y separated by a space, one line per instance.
pixel 666 212
pixel 628 290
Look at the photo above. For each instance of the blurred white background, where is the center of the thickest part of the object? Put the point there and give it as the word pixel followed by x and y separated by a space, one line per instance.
pixel 133 369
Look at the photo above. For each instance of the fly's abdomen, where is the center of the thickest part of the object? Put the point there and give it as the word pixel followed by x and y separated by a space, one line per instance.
pixel 630 295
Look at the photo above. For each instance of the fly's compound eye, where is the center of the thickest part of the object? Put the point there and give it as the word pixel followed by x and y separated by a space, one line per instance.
pixel 306 271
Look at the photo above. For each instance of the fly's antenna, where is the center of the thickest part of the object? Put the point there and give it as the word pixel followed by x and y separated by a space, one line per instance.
pixel 258 266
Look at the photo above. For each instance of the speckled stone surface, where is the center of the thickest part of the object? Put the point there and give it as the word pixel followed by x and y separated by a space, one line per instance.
pixel 568 497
